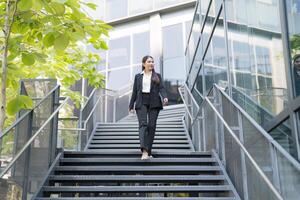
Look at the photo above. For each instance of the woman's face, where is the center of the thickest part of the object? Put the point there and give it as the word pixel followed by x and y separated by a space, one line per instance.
pixel 149 64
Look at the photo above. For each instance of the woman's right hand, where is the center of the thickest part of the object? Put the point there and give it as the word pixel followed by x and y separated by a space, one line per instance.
pixel 131 111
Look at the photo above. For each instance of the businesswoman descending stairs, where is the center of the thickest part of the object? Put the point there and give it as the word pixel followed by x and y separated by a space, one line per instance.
pixel 148 89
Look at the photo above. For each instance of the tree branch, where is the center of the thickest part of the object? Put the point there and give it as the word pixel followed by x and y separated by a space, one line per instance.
pixel 7 30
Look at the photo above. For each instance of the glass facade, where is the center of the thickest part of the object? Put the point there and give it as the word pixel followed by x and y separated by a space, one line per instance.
pixel 293 15
pixel 245 54
pixel 131 40
pixel 117 9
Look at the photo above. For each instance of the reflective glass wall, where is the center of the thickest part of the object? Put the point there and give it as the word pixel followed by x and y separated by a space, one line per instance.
pixel 133 38
pixel 117 9
pixel 241 46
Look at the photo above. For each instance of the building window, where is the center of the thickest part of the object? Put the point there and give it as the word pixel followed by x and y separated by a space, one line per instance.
pixel 119 52
pixel 116 9
pixel 118 78
pixel 140 6
pixel 141 46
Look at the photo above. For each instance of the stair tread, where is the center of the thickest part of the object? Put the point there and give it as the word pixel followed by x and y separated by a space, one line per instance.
pixel 138 160
pixel 137 141
pixel 139 177
pixel 138 153
pixel 138 145
pixel 138 168
pixel 189 188
pixel 136 198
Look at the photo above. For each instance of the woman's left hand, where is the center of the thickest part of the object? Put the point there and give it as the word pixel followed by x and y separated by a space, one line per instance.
pixel 165 101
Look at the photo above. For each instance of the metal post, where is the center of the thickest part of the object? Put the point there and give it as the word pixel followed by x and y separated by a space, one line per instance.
pixel 222 134
pixel 115 110
pixel 287 62
pixel 243 159
pixel 227 49
pixel 54 126
pixel 27 157
pixel 276 179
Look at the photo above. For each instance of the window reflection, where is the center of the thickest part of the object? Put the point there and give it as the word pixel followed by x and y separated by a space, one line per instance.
pixel 119 52
pixel 293 12
pixel 296 71
pixel 122 76
pixel 141 46
pixel 256 54
pixel 116 9
pixel 173 63
pixel 136 7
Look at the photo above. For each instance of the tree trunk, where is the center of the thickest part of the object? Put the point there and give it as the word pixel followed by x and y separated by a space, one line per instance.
pixel 6 30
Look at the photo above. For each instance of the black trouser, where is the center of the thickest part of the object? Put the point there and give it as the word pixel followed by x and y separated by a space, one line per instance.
pixel 147 127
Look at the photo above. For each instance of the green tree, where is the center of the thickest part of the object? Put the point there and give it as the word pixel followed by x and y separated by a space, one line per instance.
pixel 45 38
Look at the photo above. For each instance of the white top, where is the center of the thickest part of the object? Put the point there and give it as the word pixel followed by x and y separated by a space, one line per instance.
pixel 146 82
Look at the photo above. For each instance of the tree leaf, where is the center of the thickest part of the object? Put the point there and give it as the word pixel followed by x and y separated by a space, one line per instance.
pixel 91 5
pixel 103 45
pixel 60 1
pixel 18 103
pixel 37 5
pixel 28 59
pixel 58 8
pixel 25 5
pixel 61 42
pixel 49 39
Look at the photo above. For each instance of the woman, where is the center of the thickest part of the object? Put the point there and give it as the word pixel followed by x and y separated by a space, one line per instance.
pixel 147 88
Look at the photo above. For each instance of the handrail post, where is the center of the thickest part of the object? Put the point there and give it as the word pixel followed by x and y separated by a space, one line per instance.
pixel 115 109
pixel 27 157
pixel 54 125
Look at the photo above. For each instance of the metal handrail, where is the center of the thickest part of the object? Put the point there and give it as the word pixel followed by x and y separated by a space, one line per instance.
pixel 261 130
pixel 256 166
pixel 27 113
pixel 89 116
pixel 94 90
pixel 28 143
pixel 185 104
pixel 93 109
pixel 292 160
pixel 206 100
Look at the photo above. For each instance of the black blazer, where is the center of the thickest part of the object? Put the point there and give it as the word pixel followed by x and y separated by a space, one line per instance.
pixel 155 90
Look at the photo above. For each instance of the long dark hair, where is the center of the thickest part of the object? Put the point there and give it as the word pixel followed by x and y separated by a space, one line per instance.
pixel 155 77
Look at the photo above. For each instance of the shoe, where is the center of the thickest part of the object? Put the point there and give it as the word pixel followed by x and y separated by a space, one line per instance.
pixel 150 156
pixel 145 157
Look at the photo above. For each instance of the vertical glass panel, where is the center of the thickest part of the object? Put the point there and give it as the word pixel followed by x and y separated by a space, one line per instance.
pixel 256 54
pixel 140 6
pixel 204 6
pixel 199 81
pixel 102 53
pixel 170 47
pixel 166 3
pixel 116 9
pixel 174 75
pixel 136 70
pixel 118 78
pixel 141 46
pixel 283 135
pixel 188 26
pixel 174 69
pixel 215 68
pixel 293 15
pixel 289 177
pixel 197 96
pixel 99 12
pixel 119 52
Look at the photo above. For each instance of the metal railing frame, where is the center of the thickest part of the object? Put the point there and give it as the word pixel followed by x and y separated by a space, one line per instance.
pixel 83 123
pixel 274 146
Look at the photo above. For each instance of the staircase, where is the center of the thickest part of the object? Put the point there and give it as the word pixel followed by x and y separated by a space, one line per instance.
pixel 111 168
